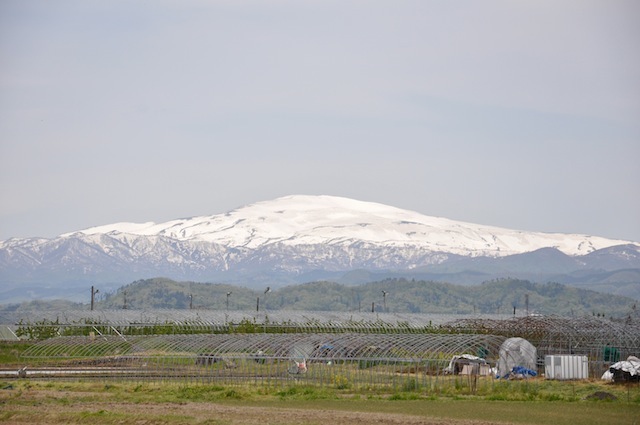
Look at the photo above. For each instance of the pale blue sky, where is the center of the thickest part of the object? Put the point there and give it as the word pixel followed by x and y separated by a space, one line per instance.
pixel 524 115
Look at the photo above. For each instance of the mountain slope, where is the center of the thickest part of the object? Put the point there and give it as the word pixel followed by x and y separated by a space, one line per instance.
pixel 302 238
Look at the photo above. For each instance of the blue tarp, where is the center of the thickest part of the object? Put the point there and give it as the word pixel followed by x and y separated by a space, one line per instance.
pixel 519 371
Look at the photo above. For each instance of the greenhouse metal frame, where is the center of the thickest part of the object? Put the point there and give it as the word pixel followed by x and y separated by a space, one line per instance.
pixel 354 360
pixel 355 350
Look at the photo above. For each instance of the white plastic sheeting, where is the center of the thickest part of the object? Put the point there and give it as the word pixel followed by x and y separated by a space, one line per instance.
pixel 516 352
pixel 457 363
pixel 631 366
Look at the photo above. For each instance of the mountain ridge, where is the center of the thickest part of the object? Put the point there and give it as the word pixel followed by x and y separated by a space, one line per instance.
pixel 282 241
pixel 306 219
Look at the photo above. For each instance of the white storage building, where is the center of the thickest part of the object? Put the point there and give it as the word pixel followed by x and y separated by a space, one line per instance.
pixel 566 366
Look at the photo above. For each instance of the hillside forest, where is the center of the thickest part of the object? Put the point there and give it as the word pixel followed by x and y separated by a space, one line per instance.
pixel 499 296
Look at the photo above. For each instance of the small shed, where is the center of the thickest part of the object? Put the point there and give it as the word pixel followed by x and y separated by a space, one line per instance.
pixel 566 366
pixel 467 364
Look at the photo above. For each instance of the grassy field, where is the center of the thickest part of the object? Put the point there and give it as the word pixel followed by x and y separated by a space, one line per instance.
pixel 40 402
pixel 534 401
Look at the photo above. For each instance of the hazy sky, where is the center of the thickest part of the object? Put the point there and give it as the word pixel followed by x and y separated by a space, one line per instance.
pixel 518 114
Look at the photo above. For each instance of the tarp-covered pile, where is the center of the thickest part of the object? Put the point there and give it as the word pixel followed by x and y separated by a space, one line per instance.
pixel 479 366
pixel 624 371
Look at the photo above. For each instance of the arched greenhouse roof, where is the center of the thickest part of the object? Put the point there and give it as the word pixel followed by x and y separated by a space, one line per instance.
pixel 309 320
pixel 310 346
pixel 576 332
pixel 558 334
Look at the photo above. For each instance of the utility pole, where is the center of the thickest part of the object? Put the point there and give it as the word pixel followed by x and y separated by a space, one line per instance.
pixel 228 294
pixel 266 291
pixel 258 304
pixel 384 301
pixel 93 296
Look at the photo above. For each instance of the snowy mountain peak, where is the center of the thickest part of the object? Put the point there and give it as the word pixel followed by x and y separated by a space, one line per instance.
pixel 302 238
pixel 300 220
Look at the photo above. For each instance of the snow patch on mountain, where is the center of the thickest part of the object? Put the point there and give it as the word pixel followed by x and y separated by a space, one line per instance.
pixel 300 220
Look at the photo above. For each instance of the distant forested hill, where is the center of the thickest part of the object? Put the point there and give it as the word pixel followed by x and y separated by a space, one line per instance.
pixel 391 295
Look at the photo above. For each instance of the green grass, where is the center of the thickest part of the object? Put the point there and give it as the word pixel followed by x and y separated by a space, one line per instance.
pixel 10 352
pixel 540 402
pixel 542 413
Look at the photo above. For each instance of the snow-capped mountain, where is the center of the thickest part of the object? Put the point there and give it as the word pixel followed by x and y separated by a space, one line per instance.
pixel 292 236
pixel 313 220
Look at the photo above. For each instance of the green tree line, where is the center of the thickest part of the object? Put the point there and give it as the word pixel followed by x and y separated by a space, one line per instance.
pixel 500 296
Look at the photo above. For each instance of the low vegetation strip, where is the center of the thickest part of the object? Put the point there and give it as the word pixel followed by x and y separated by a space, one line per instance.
pixel 40 402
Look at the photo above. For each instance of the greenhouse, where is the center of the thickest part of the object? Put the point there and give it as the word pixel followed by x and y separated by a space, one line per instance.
pixel 598 338
pixel 341 349
pixel 215 320
pixel 344 359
